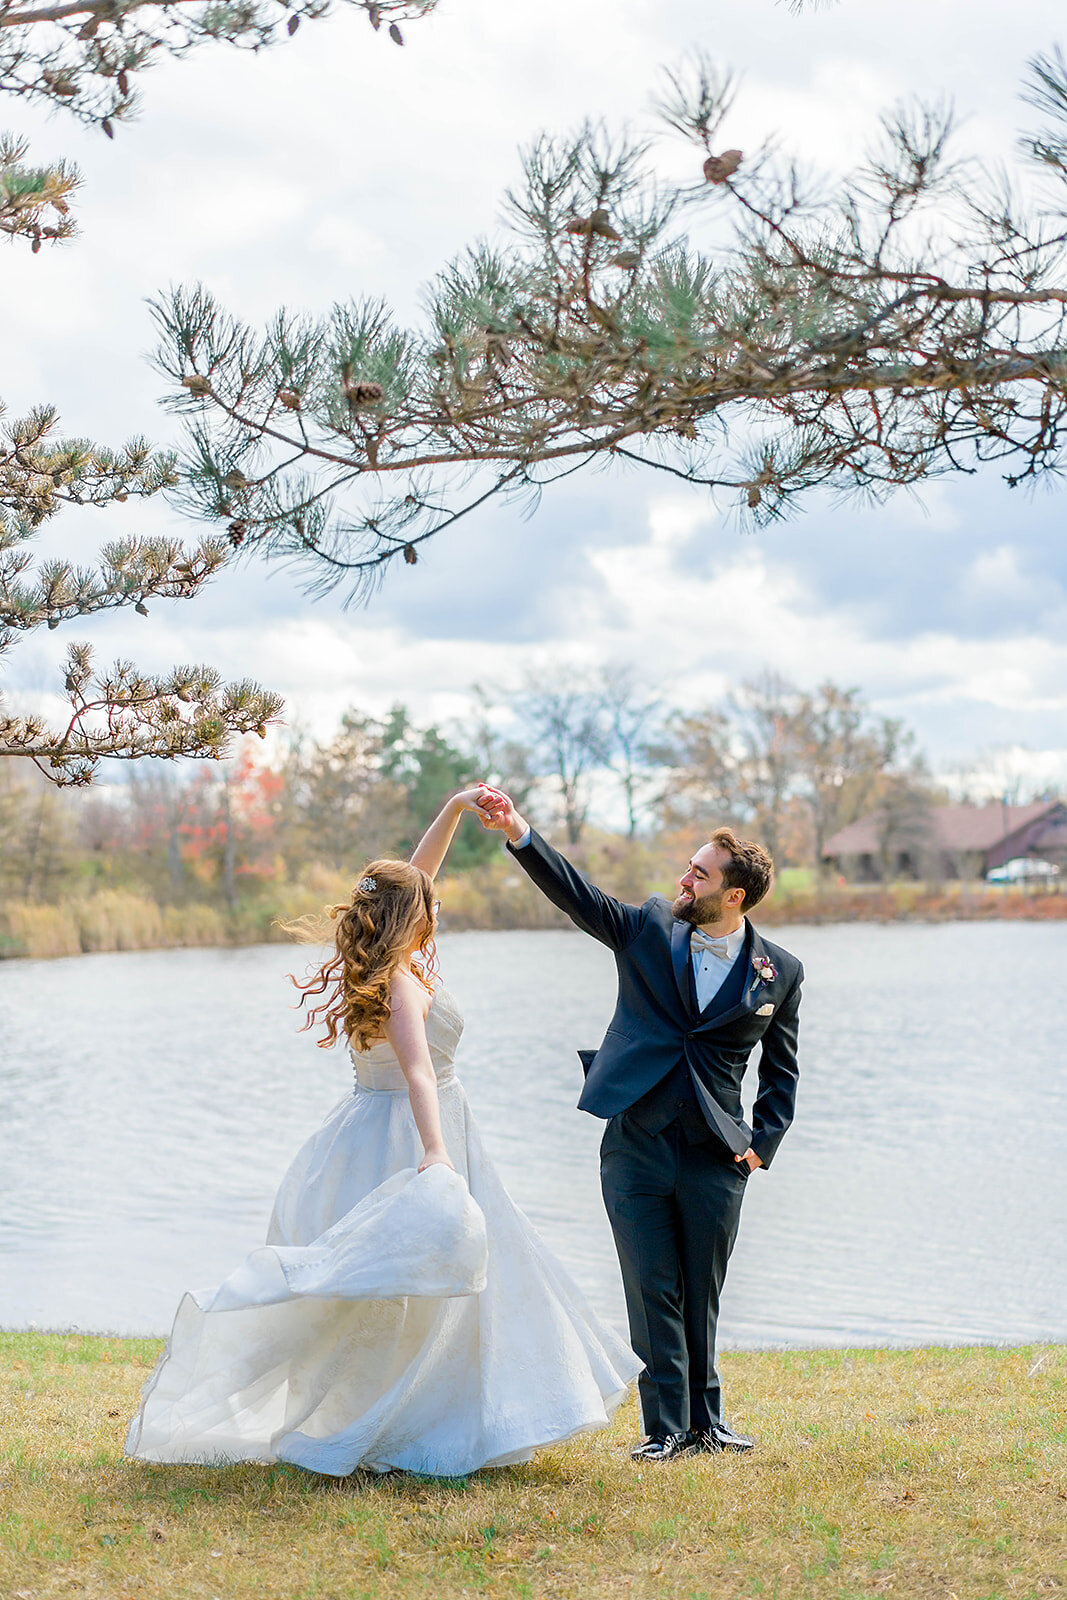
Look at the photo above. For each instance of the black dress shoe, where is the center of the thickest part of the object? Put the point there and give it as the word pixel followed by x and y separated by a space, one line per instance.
pixel 663 1447
pixel 718 1437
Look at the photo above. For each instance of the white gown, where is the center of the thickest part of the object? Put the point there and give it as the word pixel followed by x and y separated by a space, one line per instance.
pixel 393 1318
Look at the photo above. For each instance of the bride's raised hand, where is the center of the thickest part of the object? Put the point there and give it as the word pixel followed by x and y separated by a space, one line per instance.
pixel 473 799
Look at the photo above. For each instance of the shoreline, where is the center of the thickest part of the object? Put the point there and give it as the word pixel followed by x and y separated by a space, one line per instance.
pixel 727 1346
pixel 56 932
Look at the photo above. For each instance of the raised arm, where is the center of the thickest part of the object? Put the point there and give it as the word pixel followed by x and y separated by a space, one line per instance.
pixel 611 921
pixel 406 1032
pixel 432 848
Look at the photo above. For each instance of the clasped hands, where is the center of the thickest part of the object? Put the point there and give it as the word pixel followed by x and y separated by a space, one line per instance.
pixel 494 809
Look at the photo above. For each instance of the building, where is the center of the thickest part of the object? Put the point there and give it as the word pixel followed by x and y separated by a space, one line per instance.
pixel 949 842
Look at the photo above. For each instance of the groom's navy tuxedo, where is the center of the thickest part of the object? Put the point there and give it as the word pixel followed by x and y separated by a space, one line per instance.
pixel 671 1186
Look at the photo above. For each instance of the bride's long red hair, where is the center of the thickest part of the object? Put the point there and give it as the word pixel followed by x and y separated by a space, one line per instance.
pixel 392 910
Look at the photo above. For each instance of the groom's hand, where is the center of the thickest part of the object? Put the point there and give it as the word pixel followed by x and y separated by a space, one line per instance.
pixel 498 812
pixel 750 1159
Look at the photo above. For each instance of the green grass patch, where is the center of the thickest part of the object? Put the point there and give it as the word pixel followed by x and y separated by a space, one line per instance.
pixel 922 1474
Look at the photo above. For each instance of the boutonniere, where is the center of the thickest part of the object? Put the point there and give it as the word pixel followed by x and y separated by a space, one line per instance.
pixel 764 970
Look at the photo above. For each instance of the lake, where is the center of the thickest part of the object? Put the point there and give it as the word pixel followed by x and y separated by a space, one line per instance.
pixel 151 1102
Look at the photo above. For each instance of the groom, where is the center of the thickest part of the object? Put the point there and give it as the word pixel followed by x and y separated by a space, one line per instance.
pixel 698 988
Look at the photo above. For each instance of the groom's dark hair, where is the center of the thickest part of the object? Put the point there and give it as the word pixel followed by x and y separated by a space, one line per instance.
pixel 749 868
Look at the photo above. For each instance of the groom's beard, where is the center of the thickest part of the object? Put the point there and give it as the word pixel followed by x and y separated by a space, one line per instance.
pixel 700 910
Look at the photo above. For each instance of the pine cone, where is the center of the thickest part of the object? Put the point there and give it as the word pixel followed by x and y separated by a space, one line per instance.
pixel 236 534
pixel 290 399
pixel 363 394
pixel 718 168
pixel 409 555
pixel 600 224
pixel 59 83
pixel 196 384
pixel 754 496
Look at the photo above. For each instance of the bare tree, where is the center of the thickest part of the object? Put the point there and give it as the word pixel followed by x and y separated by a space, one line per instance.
pixel 764 716
pixel 498 758
pixel 562 714
pixel 843 757
pixel 343 806
pixel 633 714
pixel 706 782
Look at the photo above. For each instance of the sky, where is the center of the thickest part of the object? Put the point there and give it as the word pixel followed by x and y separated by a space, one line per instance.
pixel 337 166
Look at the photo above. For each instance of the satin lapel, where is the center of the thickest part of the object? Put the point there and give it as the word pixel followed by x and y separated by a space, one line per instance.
pixel 750 996
pixel 680 962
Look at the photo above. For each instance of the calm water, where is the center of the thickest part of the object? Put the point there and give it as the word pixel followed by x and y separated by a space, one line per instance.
pixel 149 1104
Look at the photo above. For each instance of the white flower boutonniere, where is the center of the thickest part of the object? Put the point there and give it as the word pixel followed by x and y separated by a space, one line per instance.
pixel 764 970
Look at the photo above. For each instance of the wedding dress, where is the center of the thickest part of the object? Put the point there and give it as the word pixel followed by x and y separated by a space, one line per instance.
pixel 394 1319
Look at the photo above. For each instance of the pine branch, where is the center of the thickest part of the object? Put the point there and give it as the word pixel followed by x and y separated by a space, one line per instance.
pixel 906 323
pixel 87 57
pixel 126 716
pixel 29 194
pixel 122 714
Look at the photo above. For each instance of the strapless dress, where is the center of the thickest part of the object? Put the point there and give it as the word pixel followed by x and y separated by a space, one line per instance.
pixel 393 1319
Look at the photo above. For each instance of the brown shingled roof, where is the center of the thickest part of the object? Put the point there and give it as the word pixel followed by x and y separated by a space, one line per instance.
pixel 951 828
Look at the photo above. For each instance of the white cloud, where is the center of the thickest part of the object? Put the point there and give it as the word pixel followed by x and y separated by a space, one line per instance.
pixel 339 165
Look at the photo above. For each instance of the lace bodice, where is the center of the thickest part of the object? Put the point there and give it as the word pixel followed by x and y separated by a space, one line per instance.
pixel 378 1069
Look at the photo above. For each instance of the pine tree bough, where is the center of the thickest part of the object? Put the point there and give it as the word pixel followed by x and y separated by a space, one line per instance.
pixel 34 201
pixel 122 713
pixel 906 322
pixel 86 56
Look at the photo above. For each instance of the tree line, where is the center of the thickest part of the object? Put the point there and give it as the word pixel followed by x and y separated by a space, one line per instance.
pixel 784 764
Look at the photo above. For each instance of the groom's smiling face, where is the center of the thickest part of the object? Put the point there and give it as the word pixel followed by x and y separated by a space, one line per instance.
pixel 703 897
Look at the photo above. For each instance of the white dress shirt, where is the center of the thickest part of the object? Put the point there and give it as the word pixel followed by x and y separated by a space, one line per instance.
pixel 710 971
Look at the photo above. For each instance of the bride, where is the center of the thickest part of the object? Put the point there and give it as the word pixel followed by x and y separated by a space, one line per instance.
pixel 403 1312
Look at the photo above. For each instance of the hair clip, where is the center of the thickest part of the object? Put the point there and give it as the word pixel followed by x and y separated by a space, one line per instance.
pixel 367 885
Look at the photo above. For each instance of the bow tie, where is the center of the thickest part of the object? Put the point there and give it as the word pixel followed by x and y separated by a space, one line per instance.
pixel 703 941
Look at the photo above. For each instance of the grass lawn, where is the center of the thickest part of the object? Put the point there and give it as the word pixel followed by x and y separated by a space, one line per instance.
pixel 877 1473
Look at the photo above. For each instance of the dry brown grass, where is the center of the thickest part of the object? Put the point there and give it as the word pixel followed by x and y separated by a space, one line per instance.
pixel 878 1473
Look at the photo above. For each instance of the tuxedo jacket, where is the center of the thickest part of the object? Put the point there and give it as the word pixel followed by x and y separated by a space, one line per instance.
pixel 656 1026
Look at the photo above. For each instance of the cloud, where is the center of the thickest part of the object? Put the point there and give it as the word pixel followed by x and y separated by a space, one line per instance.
pixel 338 165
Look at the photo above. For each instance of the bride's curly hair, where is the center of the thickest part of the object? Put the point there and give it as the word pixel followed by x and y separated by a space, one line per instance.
pixel 392 907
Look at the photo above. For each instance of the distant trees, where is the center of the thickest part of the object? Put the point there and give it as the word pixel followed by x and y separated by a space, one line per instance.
pixel 793 766
pixel 576 727
pixel 784 765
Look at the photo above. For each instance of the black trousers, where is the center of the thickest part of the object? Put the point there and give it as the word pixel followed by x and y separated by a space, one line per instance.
pixel 674 1207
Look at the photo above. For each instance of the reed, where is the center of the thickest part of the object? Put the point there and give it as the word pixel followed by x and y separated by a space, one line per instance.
pixel 493 896
pixel 912 1475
